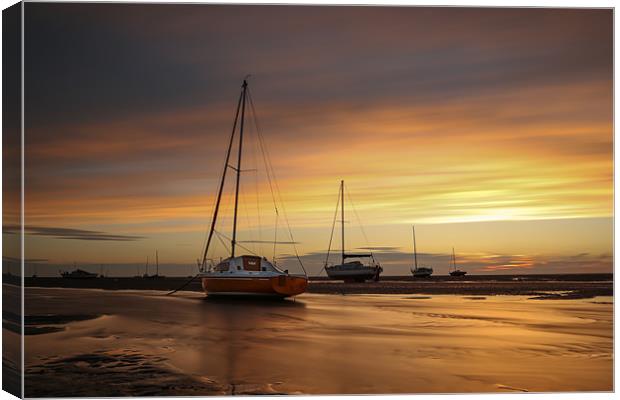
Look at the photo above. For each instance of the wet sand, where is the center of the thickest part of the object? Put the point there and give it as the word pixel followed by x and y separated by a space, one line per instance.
pixel 11 339
pixel 111 343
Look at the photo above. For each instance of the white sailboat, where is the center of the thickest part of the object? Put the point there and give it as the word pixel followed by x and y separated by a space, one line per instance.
pixel 419 272
pixel 455 271
pixel 352 271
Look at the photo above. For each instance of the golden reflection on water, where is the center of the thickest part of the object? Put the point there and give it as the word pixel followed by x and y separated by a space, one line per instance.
pixel 345 344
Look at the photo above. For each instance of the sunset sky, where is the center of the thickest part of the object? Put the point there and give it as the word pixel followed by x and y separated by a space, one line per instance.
pixel 490 129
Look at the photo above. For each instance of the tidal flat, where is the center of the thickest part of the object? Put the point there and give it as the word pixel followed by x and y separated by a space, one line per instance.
pixel 91 342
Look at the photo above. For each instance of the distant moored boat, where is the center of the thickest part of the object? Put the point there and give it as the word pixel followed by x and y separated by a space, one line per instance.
pixel 78 274
pixel 455 271
pixel 419 272
pixel 352 271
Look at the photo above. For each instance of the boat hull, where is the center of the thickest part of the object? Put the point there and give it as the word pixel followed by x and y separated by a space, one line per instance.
pixel 458 273
pixel 353 275
pixel 421 274
pixel 273 286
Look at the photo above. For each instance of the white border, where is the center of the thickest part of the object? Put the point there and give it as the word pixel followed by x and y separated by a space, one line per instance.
pixel 462 3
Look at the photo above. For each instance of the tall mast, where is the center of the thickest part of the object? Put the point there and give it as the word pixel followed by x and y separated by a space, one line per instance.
pixel 453 259
pixel 415 253
pixel 156 263
pixel 342 215
pixel 233 242
pixel 147 266
pixel 221 189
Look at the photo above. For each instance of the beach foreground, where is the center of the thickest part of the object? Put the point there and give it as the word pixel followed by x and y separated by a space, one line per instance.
pixel 144 343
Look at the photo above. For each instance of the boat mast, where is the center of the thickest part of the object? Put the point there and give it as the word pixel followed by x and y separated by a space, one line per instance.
pixel 221 189
pixel 342 215
pixel 415 253
pixel 453 259
pixel 147 266
pixel 233 242
pixel 156 263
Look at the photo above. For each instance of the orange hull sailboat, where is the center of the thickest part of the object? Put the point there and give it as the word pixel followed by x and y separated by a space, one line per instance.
pixel 227 279
pixel 245 275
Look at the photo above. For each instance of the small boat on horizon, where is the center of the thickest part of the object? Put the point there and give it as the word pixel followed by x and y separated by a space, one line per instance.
pixel 352 271
pixel 455 271
pixel 244 275
pixel 419 272
pixel 146 268
pixel 146 274
pixel 78 274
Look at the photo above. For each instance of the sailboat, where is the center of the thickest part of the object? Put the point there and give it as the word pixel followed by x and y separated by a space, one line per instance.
pixel 352 271
pixel 245 275
pixel 156 275
pixel 146 269
pixel 419 272
pixel 455 271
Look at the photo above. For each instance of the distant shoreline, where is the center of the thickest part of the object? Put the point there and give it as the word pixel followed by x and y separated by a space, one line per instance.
pixel 563 286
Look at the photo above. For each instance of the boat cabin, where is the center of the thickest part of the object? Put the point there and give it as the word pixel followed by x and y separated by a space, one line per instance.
pixel 251 264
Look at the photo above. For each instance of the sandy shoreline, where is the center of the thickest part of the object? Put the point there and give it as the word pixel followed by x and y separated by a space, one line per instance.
pixel 542 286
pixel 132 343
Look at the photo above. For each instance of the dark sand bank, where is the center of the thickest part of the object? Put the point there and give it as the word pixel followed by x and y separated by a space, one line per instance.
pixel 563 286
pixel 124 372
pixel 11 339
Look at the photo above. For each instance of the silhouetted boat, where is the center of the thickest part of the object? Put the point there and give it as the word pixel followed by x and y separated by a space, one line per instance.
pixel 455 271
pixel 246 274
pixel 419 272
pixel 352 271
pixel 78 274
pixel 146 269
pixel 157 266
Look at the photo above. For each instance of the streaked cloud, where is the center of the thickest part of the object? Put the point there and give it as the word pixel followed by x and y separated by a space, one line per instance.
pixel 68 233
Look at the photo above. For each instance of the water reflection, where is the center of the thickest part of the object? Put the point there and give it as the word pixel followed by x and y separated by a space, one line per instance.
pixel 245 332
pixel 323 344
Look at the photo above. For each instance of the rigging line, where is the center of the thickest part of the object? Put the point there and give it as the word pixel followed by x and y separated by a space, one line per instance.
pixel 184 285
pixel 215 200
pixel 331 237
pixel 288 226
pixel 273 196
pixel 247 215
pixel 256 186
pixel 275 205
pixel 255 159
pixel 224 218
pixel 360 222
pixel 263 151
pixel 270 166
pixel 275 240
pixel 221 188
pixel 358 219
pixel 239 245
pixel 204 240
pixel 223 242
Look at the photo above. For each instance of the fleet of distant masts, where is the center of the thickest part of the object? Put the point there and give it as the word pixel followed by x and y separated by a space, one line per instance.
pixel 78 273
pixel 146 268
